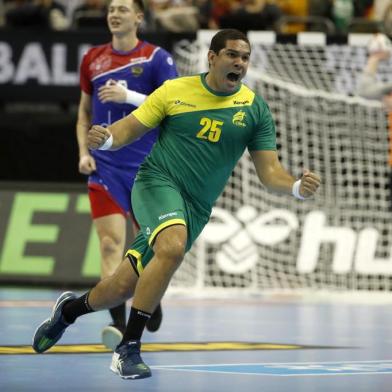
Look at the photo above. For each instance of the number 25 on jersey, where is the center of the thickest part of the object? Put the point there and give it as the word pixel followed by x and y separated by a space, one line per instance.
pixel 212 129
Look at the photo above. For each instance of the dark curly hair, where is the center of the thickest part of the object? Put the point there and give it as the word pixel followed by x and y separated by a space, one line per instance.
pixel 218 41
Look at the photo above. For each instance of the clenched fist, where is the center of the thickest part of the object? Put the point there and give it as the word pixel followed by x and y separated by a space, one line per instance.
pixel 309 184
pixel 87 164
pixel 97 136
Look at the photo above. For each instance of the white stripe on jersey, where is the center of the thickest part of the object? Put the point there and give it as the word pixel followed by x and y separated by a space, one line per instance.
pixel 137 60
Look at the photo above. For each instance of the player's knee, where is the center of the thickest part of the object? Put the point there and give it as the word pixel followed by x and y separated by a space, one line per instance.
pixel 109 245
pixel 172 250
pixel 170 245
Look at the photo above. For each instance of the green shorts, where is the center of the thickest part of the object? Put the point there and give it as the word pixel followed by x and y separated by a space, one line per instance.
pixel 159 204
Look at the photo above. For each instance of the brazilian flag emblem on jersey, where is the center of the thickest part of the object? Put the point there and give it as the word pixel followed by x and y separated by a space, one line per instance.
pixel 239 119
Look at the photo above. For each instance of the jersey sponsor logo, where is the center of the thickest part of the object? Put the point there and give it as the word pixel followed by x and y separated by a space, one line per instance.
pixel 101 64
pixel 137 71
pixel 167 215
pixel 239 119
pixel 240 102
pixel 170 61
pixel 182 103
pixel 138 59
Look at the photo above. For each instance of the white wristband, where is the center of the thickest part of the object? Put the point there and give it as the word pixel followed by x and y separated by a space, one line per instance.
pixel 134 98
pixel 108 143
pixel 295 190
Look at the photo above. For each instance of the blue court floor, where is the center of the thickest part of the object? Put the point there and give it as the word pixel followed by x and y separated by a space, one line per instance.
pixel 207 345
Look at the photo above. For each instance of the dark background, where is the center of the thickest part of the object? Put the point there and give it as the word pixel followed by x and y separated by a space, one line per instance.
pixel 38 142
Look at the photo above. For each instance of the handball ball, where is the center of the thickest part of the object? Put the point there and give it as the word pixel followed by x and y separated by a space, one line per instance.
pixel 380 43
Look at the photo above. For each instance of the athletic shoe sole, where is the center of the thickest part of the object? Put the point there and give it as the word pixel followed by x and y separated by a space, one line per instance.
pixel 37 346
pixel 111 337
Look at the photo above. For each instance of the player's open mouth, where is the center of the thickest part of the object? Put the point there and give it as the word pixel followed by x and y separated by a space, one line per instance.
pixel 233 77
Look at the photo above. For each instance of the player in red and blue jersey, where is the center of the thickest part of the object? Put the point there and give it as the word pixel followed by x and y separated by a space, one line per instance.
pixel 115 78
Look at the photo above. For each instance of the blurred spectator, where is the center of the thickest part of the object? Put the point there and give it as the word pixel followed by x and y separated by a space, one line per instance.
pixel 91 13
pixel 252 15
pixel 344 11
pixel 2 13
pixel 387 19
pixel 369 86
pixel 296 8
pixel 342 14
pixel 380 6
pixel 92 5
pixel 70 6
pixel 205 11
pixel 220 8
pixel 175 15
pixel 38 13
pixel 320 8
pixel 364 8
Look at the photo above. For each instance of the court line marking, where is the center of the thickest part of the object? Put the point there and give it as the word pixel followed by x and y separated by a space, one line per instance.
pixel 166 347
pixel 269 374
pixel 188 368
pixel 286 363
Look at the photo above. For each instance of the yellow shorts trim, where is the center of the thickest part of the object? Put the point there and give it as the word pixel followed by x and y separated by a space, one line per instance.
pixel 138 258
pixel 162 226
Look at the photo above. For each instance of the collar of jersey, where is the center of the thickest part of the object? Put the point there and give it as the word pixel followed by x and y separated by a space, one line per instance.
pixel 203 80
pixel 127 52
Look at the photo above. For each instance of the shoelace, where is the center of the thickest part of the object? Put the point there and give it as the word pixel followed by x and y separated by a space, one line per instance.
pixel 133 356
pixel 56 329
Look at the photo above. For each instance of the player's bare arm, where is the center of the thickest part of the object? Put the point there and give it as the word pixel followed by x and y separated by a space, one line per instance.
pixel 112 93
pixel 120 133
pixel 275 177
pixel 116 92
pixel 86 161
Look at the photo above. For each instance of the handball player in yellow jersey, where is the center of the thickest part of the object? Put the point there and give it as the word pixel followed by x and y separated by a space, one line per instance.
pixel 206 121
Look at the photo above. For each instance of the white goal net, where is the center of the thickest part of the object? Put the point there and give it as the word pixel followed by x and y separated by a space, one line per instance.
pixel 341 241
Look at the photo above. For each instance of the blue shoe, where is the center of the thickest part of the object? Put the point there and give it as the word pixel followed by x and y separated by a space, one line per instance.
pixel 127 362
pixel 154 322
pixel 51 330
